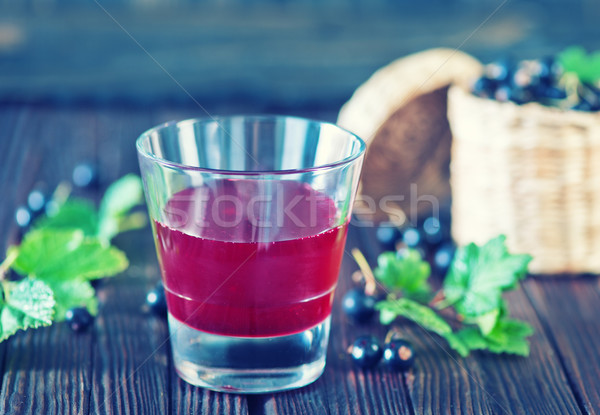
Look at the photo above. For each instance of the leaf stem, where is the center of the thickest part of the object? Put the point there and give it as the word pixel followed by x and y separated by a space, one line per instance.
pixel 442 303
pixel 452 315
pixel 133 221
pixel 62 192
pixel 370 283
pixel 437 299
pixel 8 261
pixel 393 331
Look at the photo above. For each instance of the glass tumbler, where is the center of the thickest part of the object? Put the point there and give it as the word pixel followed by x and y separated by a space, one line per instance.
pixel 249 216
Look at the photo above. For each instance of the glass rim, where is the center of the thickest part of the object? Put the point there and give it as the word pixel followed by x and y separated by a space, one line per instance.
pixel 217 119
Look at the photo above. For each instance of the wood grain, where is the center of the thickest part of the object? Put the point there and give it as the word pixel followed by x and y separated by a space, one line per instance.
pixel 49 371
pixel 536 384
pixel 123 365
pixel 569 312
pixel 130 349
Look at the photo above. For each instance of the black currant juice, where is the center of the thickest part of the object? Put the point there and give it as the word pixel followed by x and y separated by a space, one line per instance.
pixel 249 290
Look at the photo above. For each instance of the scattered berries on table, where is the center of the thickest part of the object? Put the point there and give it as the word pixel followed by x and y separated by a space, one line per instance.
pixel 79 319
pixel 366 351
pixel 358 305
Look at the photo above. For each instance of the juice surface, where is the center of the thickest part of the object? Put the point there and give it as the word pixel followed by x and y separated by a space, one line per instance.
pixel 238 264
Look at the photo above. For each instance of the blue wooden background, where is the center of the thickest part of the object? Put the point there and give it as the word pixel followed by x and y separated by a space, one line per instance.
pixel 263 55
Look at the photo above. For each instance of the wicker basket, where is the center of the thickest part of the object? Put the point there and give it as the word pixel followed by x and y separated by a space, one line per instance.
pixel 530 172
pixel 400 111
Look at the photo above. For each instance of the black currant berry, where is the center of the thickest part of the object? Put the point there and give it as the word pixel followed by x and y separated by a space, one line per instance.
pixel 366 352
pixel 412 237
pixel 398 354
pixel 484 87
pixel 499 71
pixel 548 70
pixel 359 306
pixel 23 217
pixel 36 201
pixel 387 236
pixel 78 318
pixel 156 300
pixel 85 175
pixel 433 231
pixel 582 106
pixel 550 92
pixel 521 96
pixel 443 257
pixel 503 93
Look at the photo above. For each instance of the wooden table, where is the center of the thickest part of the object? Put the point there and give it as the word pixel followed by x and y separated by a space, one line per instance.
pixel 123 364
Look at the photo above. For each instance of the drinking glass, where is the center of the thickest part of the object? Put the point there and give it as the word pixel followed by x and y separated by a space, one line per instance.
pixel 249 216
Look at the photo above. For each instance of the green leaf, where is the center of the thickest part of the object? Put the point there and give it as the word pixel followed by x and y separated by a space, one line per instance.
pixel 479 275
pixel 386 315
pixel 113 217
pixel 50 254
pixel 407 273
pixel 465 340
pixel 42 247
pixel 27 304
pixel 472 338
pixel 508 336
pixel 576 60
pixel 69 294
pixel 91 260
pixel 486 322
pixel 420 314
pixel 457 344
pixel 118 200
pixel 74 213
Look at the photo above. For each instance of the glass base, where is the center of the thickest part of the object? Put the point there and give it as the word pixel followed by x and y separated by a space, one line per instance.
pixel 248 364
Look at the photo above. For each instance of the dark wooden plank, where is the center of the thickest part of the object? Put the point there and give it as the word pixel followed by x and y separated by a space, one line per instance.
pixel 188 399
pixel 443 382
pixel 123 364
pixel 47 371
pixel 542 386
pixel 12 122
pixel 569 310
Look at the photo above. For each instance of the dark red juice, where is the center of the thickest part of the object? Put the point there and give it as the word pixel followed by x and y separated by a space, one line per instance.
pixel 249 258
